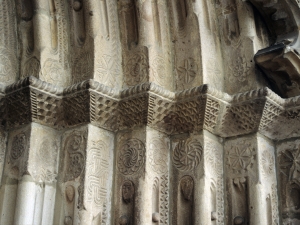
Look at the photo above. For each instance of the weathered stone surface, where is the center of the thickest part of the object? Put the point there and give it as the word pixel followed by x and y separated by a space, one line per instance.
pixel 149 112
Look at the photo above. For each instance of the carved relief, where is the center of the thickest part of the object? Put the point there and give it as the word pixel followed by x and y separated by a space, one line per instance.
pixel 108 71
pixel 187 155
pixel 97 173
pixel 267 162
pixel 47 156
pixel 231 29
pixel 164 200
pixel 270 114
pixel 52 72
pixel 211 113
pixel 131 156
pixel 185 201
pixel 187 187
pixel 8 68
pixel 83 67
pixel 31 68
pixel 238 188
pixel 240 157
pixel 75 145
pixel 187 70
pixel 242 118
pixel 127 191
pixel 158 70
pixel 18 146
pixel 158 156
pixel 137 68
pixel 240 69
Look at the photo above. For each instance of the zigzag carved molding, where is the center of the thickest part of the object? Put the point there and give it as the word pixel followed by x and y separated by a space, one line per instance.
pixel 33 100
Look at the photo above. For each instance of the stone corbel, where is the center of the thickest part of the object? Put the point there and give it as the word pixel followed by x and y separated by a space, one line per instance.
pixel 281 64
pixel 280 61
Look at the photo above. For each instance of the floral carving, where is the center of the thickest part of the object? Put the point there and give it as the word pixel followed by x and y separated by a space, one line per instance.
pixel 136 69
pixel 289 162
pixel 52 72
pixel 240 69
pixel 267 162
pixel 187 70
pixel 158 156
pixel 240 157
pixel 32 67
pixel 108 70
pixel 18 146
pixel 131 156
pixel 187 155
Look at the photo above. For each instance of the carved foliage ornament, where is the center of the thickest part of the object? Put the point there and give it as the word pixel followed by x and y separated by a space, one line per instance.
pixel 187 155
pixel 131 156
pixel 18 146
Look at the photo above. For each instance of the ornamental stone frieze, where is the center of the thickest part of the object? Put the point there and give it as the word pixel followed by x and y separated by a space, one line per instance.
pixel 203 107
pixel 149 112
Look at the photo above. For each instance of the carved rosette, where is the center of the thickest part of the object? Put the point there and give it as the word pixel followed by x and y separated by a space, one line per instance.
pixel 240 157
pixel 131 156
pixel 187 155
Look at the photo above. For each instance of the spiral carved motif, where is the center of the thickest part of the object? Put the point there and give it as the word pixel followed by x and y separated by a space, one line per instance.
pixel 187 155
pixel 131 156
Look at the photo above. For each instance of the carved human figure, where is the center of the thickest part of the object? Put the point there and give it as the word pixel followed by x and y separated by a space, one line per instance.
pixel 127 191
pixel 187 187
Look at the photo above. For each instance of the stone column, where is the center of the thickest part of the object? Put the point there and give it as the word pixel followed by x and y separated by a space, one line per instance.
pixel 197 179
pixel 250 180
pixel 87 170
pixel 142 180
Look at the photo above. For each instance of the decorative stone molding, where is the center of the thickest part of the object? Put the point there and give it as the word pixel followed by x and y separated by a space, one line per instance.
pixel 191 110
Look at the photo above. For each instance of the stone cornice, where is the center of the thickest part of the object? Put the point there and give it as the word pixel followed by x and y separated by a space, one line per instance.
pixel 203 107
